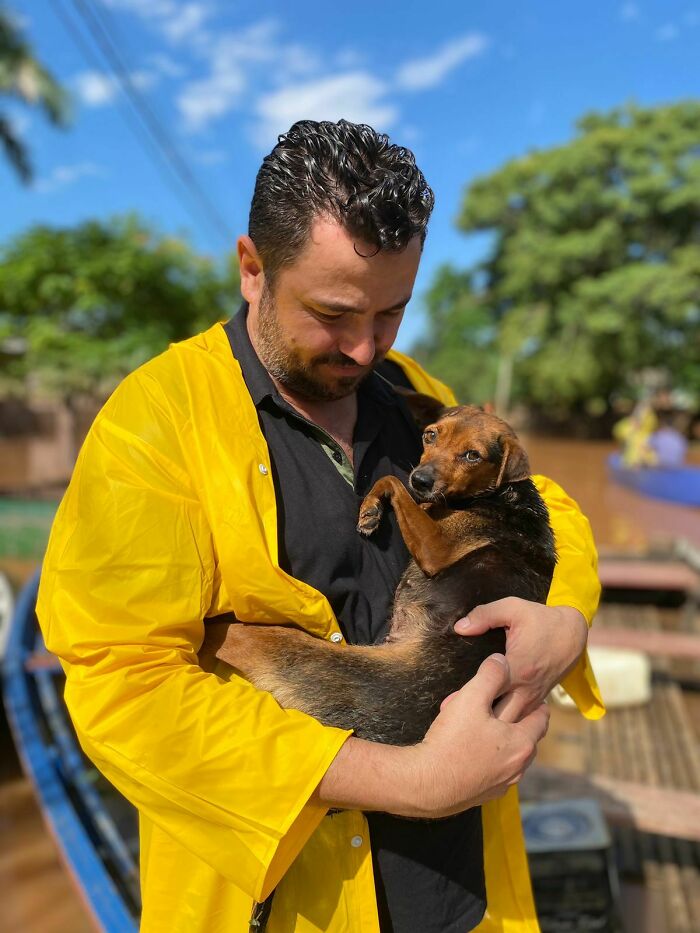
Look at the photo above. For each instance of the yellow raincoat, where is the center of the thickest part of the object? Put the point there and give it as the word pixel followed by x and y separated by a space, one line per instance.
pixel 170 518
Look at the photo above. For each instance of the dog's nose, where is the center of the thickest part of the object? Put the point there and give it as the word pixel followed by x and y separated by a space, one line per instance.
pixel 422 479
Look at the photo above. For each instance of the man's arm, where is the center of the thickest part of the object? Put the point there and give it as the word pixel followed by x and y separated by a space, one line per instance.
pixel 127 579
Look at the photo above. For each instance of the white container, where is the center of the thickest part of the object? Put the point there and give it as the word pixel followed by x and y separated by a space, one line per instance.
pixel 623 675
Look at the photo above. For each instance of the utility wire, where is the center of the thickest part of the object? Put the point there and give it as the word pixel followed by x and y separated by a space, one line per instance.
pixel 146 125
pixel 102 37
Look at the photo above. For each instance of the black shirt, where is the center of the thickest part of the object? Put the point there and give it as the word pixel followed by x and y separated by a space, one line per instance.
pixel 429 875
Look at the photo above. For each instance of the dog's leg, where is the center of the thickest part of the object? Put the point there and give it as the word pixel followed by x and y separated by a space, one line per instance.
pixel 429 542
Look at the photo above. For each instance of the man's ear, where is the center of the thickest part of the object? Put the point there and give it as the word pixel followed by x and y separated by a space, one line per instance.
pixel 424 408
pixel 514 463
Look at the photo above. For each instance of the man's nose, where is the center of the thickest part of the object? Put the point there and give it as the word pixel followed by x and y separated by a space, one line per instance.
pixel 360 345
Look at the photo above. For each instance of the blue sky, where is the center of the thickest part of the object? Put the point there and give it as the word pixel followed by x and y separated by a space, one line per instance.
pixel 467 86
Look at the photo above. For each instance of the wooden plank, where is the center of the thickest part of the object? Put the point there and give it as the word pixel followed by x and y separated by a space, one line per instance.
pixel 648 575
pixel 625 803
pixel 659 643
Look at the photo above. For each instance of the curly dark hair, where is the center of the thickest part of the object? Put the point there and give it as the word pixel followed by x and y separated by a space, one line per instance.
pixel 346 171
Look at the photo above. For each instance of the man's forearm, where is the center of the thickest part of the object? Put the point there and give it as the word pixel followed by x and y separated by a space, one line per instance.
pixel 368 776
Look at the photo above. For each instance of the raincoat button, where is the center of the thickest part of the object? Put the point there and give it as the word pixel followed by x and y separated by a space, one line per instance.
pixel 356 842
pixel 336 637
pixel 262 468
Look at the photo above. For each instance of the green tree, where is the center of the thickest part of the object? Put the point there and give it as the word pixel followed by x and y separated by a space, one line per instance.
pixel 81 307
pixel 593 273
pixel 23 78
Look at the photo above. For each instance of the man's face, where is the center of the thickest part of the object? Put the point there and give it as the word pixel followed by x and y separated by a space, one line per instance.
pixel 332 314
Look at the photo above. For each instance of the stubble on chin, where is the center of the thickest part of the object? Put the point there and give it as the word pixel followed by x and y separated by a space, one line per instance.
pixel 286 368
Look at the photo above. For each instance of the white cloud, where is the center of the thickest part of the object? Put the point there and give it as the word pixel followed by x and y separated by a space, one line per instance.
pixel 235 60
pixel 356 96
pixel 144 79
pixel 95 89
pixel 64 175
pixel 185 21
pixel 629 12
pixel 428 72
pixel 179 23
pixel 165 65
pixel 200 102
pixel 667 33
pixel 349 58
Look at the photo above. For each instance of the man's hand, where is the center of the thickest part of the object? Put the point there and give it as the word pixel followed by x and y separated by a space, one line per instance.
pixel 479 763
pixel 467 757
pixel 543 643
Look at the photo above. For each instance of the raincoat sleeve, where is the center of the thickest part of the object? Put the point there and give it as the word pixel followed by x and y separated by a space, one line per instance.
pixel 127 580
pixel 575 583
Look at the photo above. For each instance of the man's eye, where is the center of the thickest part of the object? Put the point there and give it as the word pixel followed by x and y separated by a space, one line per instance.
pixel 473 456
pixel 429 436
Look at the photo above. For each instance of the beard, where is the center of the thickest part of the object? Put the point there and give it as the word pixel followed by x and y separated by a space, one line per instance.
pixel 303 377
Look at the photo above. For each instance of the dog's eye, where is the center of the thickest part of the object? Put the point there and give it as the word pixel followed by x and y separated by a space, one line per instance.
pixel 429 436
pixel 473 456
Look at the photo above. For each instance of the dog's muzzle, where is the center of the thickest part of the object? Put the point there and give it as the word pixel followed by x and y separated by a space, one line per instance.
pixel 422 480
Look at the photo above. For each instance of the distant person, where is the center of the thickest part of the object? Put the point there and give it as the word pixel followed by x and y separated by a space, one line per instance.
pixel 668 444
pixel 634 433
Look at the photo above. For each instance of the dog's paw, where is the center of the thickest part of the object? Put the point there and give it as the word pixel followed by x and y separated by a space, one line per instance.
pixel 370 516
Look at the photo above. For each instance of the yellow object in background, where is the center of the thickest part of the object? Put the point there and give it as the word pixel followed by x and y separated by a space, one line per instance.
pixel 634 433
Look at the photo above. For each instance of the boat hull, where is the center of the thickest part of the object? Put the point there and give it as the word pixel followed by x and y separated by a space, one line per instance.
pixel 680 484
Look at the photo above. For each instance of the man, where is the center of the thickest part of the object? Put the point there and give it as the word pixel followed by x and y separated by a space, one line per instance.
pixel 224 476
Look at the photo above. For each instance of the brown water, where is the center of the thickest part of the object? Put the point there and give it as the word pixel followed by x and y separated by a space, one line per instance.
pixel 622 520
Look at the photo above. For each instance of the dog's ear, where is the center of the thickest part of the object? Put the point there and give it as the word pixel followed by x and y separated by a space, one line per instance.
pixel 424 408
pixel 514 463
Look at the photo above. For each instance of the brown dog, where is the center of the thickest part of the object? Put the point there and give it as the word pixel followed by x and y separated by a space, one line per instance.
pixel 478 531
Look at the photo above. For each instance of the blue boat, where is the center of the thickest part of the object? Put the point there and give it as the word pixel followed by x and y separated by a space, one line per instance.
pixel 95 829
pixel 672 484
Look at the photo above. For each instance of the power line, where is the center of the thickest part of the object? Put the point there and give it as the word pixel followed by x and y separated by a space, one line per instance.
pixel 101 35
pixel 146 125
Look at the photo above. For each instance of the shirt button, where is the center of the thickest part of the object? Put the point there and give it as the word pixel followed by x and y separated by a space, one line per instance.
pixel 262 468
pixel 356 842
pixel 337 456
pixel 336 637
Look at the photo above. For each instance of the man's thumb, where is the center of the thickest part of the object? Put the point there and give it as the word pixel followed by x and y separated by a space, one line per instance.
pixel 492 679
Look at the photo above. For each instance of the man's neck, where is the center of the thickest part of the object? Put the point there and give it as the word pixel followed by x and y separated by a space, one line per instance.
pixel 336 417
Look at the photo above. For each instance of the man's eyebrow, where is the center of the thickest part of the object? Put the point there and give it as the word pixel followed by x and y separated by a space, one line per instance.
pixel 340 308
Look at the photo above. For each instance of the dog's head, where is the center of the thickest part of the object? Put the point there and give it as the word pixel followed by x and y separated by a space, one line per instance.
pixel 466 451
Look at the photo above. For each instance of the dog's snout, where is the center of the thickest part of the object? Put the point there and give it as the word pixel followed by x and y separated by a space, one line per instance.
pixel 422 479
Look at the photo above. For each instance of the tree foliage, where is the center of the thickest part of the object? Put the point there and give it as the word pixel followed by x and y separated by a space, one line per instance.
pixel 25 79
pixel 83 306
pixel 593 274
